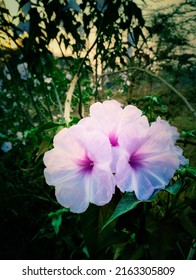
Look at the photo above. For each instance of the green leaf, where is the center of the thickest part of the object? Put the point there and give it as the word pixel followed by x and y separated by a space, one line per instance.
pixel 57 218
pixel 45 144
pixel 56 223
pixel 58 212
pixel 74 120
pixel 188 133
pixel 127 203
pixel 47 126
pixel 191 170
pixel 29 132
pixel 174 188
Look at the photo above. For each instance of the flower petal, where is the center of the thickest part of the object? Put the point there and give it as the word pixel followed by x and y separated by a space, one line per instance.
pixel 101 186
pixel 73 194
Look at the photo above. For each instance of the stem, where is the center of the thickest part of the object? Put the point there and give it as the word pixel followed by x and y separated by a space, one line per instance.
pixel 80 100
pixel 69 94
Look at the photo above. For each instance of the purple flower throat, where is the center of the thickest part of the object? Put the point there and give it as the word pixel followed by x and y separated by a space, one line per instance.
pixel 85 164
pixel 113 139
pixel 135 161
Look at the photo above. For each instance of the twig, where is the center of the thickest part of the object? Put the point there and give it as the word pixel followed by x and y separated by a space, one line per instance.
pixel 68 99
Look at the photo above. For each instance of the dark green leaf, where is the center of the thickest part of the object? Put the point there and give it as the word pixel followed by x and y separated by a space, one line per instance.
pixel 174 188
pixel 74 120
pixel 47 126
pixel 29 132
pixel 127 203
pixel 45 144
pixel 188 133
pixel 58 212
pixel 56 223
pixel 192 170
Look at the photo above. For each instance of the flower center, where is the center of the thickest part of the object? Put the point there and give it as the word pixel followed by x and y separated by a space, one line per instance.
pixel 113 139
pixel 85 164
pixel 135 161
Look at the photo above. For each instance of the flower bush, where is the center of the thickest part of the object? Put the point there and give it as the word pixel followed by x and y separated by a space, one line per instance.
pixel 114 146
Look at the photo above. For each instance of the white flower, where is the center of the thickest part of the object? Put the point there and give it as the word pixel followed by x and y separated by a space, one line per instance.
pixel 68 76
pixel 23 71
pixel 19 135
pixel 47 80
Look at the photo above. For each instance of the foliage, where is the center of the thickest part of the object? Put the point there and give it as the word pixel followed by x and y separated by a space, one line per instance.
pixel 172 28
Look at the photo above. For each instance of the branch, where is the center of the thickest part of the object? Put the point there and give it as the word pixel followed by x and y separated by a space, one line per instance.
pixel 69 94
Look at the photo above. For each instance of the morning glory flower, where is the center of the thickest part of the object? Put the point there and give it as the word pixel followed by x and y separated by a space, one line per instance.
pixel 110 118
pixel 150 158
pixel 79 168
pixel 114 146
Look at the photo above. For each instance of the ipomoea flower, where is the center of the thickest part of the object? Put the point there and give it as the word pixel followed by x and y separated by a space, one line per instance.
pixel 114 146
pixel 150 158
pixel 111 119
pixel 79 168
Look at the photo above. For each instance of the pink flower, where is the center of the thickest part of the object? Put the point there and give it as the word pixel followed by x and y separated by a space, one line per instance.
pixel 79 168
pixel 111 119
pixel 150 158
pixel 114 146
